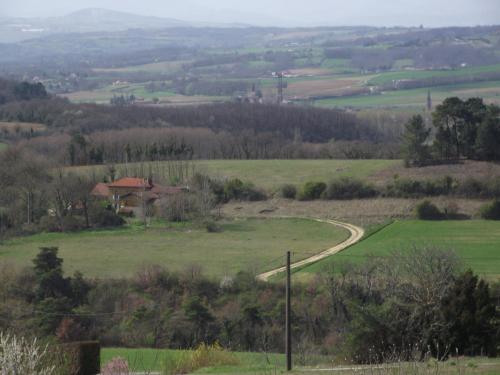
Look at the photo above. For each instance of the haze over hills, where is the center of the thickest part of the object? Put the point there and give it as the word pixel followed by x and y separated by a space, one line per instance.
pixel 87 20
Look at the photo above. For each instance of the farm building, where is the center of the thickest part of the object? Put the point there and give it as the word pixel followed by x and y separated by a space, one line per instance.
pixel 131 194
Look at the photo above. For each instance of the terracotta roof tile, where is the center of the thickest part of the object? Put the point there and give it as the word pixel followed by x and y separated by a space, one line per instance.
pixel 100 190
pixel 130 182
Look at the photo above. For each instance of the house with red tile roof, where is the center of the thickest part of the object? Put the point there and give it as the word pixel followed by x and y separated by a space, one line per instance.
pixel 131 194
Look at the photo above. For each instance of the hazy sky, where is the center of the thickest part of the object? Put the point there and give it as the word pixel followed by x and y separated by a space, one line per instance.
pixel 283 12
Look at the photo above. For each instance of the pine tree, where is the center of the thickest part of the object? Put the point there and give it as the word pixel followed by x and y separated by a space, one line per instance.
pixel 415 138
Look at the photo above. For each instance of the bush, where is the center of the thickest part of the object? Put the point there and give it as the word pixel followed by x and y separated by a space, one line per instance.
pixel 288 191
pixel 213 227
pixel 49 224
pixel 428 211
pixel 86 357
pixel 348 188
pixel 311 191
pixel 408 188
pixel 73 223
pixel 204 356
pixel 179 207
pixel 473 188
pixel 103 218
pixel 491 211
pixel 236 189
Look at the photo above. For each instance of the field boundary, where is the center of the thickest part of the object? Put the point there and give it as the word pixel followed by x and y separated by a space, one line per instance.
pixel 357 234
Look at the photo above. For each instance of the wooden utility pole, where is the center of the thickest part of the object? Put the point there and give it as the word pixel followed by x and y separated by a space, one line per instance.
pixel 288 322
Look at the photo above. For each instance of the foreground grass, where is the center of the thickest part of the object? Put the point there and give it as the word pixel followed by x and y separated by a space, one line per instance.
pixel 271 174
pixel 3 146
pixel 244 245
pixel 476 242
pixel 144 360
pixel 153 360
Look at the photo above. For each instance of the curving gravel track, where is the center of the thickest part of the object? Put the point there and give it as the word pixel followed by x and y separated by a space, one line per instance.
pixel 357 234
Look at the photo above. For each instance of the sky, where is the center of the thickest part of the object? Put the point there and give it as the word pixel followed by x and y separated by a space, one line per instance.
pixel 430 13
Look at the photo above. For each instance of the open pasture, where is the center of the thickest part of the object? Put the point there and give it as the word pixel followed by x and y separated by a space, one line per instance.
pixel 385 78
pixel 476 242
pixel 417 98
pixel 268 174
pixel 254 245
pixel 105 94
pixel 162 67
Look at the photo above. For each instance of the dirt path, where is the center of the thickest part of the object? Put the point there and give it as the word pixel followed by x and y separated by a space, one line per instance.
pixel 356 234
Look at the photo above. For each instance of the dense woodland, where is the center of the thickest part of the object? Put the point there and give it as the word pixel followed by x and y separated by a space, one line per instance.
pixel 96 134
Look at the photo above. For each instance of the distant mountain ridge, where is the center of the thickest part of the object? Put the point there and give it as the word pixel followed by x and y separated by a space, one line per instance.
pixel 14 30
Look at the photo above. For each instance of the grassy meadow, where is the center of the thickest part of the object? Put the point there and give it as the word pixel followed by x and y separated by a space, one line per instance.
pixel 476 242
pixel 253 245
pixel 271 174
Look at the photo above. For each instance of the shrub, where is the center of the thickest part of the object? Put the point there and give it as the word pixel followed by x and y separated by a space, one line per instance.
pixel 348 188
pixel 491 211
pixel 408 188
pixel 20 356
pixel 428 211
pixel 179 207
pixel 102 218
pixel 213 227
pixel 204 356
pixel 49 224
pixel 288 191
pixel 236 189
pixel 72 223
pixel 311 191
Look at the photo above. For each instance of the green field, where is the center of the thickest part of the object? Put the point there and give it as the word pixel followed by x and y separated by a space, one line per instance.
pixel 145 360
pixel 152 360
pixel 254 245
pixel 490 91
pixel 3 146
pixel 423 74
pixel 269 174
pixel 476 242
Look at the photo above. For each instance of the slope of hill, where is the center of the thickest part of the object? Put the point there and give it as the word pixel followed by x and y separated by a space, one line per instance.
pixel 85 20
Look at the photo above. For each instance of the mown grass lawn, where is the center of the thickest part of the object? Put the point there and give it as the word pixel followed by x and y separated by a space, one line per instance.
pixel 476 242
pixel 253 245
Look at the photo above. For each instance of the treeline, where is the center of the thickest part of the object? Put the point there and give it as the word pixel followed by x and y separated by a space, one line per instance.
pixel 467 129
pixel 440 81
pixel 20 91
pixel 417 303
pixel 435 56
pixel 195 86
pixel 162 144
pixel 313 124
